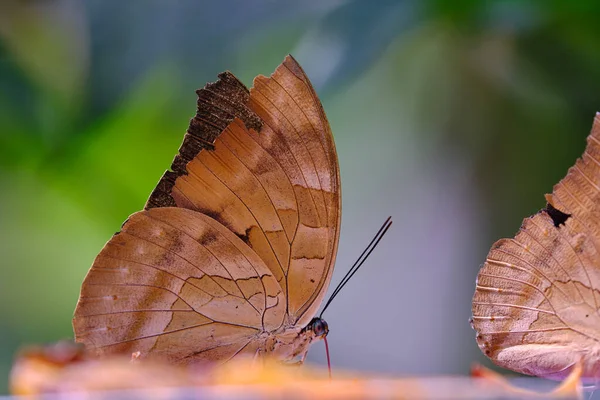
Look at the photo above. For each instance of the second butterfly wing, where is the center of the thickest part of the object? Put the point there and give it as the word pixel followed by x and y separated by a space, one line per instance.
pixel 536 304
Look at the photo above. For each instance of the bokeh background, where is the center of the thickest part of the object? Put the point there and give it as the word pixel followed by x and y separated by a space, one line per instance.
pixel 453 117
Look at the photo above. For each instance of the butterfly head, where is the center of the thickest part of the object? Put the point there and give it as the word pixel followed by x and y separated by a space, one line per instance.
pixel 318 327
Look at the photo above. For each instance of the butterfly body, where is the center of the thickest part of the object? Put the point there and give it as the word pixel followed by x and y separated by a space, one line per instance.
pixel 235 248
pixel 536 307
pixel 290 344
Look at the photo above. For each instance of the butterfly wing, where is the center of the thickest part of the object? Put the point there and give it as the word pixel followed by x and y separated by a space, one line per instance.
pixel 177 284
pixel 536 304
pixel 263 163
pixel 258 170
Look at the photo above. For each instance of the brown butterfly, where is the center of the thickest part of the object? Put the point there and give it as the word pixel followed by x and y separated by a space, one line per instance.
pixel 536 307
pixel 234 250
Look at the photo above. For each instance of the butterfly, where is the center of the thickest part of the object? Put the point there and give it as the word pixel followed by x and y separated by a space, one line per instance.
pixel 234 250
pixel 536 308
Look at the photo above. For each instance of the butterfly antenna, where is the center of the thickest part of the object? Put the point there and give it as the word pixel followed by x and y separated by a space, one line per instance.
pixel 359 261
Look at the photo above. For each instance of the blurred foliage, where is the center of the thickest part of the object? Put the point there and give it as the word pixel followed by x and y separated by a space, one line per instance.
pixel 95 97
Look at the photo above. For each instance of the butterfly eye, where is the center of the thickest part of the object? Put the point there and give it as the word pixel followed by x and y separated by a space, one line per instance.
pixel 320 327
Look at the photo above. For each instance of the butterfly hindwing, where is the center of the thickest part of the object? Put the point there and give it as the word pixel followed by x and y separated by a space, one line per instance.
pixel 173 277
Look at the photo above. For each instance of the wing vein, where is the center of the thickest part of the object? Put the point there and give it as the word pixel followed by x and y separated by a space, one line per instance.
pixel 307 151
pixel 520 281
pixel 543 261
pixel 169 332
pixel 260 183
pixel 138 311
pixel 558 328
pixel 581 264
pixel 152 286
pixel 257 224
pixel 219 261
pixel 302 110
pixel 285 173
pixel 515 306
pixel 173 275
pixel 539 273
pixel 290 152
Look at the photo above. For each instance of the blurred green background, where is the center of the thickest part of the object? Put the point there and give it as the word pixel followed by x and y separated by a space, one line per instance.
pixel 454 117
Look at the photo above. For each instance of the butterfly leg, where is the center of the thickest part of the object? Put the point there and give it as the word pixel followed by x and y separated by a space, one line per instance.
pixel 296 363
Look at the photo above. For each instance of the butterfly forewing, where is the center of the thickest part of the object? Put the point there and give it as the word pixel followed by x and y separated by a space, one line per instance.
pixel 297 135
pixel 258 171
pixel 536 304
pixel 277 188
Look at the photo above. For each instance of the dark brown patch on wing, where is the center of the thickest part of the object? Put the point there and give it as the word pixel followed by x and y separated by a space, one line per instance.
pixel 207 238
pixel 558 217
pixel 218 104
